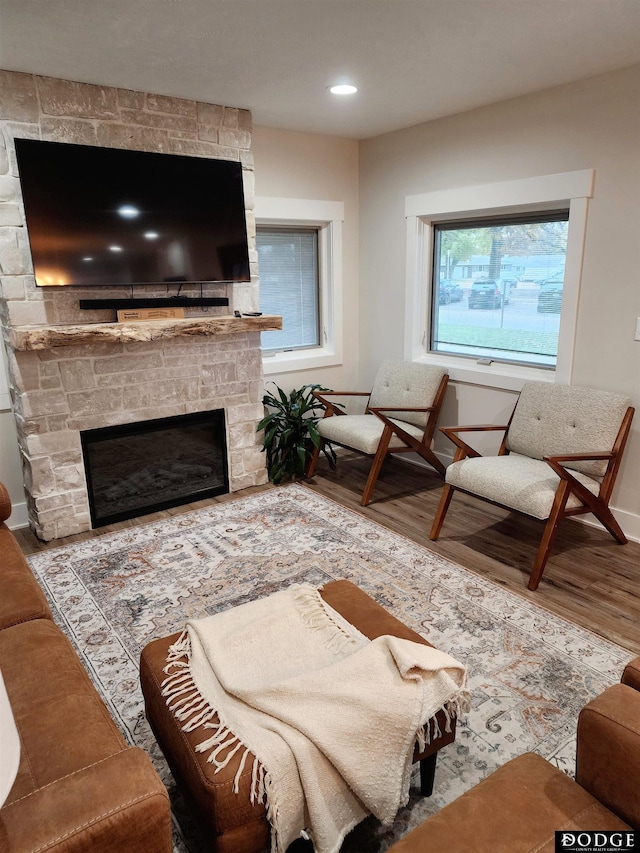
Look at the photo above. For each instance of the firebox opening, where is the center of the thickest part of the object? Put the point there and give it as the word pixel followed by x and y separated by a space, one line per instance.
pixel 135 469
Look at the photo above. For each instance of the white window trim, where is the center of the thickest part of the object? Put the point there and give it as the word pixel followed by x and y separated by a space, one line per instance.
pixel 547 192
pixel 327 217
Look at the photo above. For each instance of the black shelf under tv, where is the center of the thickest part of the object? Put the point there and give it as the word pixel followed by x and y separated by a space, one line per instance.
pixel 150 302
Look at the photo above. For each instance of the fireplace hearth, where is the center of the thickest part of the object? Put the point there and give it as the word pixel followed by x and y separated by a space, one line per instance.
pixel 139 468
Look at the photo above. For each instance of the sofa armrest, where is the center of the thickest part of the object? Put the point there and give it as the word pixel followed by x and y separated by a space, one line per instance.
pixel 631 674
pixel 5 503
pixel 22 597
pixel 114 805
pixel 608 751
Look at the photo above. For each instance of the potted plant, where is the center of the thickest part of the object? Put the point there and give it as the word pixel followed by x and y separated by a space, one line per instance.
pixel 290 432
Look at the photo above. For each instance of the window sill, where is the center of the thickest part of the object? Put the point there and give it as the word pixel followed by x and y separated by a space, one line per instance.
pixel 288 362
pixel 506 377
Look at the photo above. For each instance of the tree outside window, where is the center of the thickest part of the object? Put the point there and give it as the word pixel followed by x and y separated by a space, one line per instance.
pixel 497 288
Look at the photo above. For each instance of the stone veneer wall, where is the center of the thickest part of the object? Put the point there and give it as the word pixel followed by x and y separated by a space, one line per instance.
pixel 58 392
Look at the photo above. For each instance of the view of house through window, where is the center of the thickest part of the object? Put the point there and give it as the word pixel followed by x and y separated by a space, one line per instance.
pixel 497 287
pixel 288 266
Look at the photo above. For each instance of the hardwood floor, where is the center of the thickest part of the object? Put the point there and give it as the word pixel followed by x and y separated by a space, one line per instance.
pixel 589 579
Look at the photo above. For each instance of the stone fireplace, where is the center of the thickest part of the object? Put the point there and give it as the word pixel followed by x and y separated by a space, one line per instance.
pixel 72 370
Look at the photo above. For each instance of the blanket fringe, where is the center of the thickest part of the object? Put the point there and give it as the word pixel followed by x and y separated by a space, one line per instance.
pixel 194 712
pixel 456 707
pixel 316 617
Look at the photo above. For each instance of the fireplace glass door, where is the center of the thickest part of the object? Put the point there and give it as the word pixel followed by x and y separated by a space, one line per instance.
pixel 135 469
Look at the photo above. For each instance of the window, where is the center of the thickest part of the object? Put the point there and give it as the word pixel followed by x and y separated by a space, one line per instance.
pixel 299 246
pixel 497 288
pixel 481 343
pixel 288 264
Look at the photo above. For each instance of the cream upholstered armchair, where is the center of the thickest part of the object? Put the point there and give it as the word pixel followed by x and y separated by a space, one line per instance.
pixel 559 457
pixel 400 417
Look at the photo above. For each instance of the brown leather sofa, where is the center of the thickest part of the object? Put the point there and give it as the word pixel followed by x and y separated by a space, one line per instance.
pixel 519 807
pixel 79 786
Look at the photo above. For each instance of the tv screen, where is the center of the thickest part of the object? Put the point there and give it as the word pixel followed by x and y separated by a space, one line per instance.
pixel 105 216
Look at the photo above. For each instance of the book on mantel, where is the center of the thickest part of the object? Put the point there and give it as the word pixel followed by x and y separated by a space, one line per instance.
pixel 149 314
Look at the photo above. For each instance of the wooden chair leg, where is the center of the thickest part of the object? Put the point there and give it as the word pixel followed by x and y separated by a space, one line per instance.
pixel 429 456
pixel 549 534
pixel 313 461
pixel 606 518
pixel 376 465
pixel 438 521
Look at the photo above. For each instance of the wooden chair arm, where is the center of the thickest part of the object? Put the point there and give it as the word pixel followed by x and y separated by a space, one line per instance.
pixel 396 428
pixel 581 457
pixel 472 428
pixel 330 408
pixel 556 463
pixel 376 409
pixel 579 489
pixel 465 450
pixel 341 394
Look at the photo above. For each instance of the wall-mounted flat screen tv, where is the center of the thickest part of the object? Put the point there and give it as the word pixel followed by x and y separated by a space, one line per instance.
pixel 106 216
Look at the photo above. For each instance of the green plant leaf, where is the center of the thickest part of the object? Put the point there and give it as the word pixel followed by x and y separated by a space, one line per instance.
pixel 314 435
pixel 290 430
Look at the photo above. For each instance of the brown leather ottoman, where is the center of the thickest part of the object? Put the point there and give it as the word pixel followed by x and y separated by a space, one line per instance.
pixel 229 819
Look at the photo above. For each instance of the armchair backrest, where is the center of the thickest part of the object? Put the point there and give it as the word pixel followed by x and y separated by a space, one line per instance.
pixel 555 419
pixel 406 384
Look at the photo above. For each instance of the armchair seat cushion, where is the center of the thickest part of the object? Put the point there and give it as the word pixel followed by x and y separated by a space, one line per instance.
pixel 363 432
pixel 519 482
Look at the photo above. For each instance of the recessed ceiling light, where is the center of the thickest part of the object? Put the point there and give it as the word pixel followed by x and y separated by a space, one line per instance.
pixel 343 89
pixel 128 211
pixel 115 248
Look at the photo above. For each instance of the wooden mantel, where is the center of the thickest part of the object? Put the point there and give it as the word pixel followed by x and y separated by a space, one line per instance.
pixel 25 338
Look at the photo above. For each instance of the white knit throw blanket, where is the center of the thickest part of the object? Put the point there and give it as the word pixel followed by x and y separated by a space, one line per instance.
pixel 331 716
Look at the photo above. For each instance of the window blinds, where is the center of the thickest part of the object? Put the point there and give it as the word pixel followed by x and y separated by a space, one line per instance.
pixel 288 267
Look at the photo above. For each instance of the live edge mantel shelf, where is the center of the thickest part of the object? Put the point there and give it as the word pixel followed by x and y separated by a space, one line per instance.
pixel 25 338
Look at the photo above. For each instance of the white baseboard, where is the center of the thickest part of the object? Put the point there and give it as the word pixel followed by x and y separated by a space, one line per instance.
pixel 19 516
pixel 628 521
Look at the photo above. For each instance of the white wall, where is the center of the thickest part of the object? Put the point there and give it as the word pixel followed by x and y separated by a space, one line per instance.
pixel 592 124
pixel 313 166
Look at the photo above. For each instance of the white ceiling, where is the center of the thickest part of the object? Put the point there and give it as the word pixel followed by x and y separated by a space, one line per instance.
pixel 413 60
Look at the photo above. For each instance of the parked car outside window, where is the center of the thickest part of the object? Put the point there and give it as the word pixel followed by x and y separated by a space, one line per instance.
pixel 550 295
pixel 449 291
pixel 489 293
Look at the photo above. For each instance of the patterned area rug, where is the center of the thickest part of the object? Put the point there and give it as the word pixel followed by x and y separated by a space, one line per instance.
pixel 530 672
